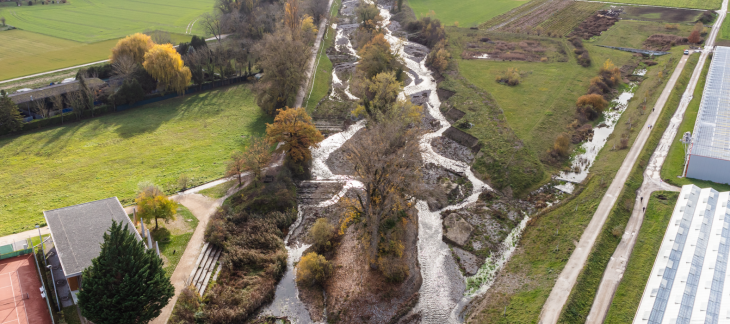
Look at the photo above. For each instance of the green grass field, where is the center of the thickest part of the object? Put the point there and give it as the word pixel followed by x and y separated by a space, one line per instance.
pixel 108 156
pixel 466 12
pixel 323 77
pixel 723 37
pixel 90 21
pixel 675 158
pixel 629 292
pixel 630 33
pixel 696 4
pixel 173 240
pixel 25 53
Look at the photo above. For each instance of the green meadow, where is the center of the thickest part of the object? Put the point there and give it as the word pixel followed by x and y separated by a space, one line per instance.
pixel 465 12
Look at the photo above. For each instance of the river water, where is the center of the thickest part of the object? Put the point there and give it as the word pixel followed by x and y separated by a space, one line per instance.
pixel 443 293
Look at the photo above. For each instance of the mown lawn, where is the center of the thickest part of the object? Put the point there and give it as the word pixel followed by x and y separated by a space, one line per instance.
pixel 108 156
pixel 697 4
pixel 674 163
pixel 466 12
pixel 90 21
pixel 629 292
pixel 174 238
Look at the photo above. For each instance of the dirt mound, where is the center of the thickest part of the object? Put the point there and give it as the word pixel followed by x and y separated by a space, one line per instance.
pixel 661 42
pixel 594 25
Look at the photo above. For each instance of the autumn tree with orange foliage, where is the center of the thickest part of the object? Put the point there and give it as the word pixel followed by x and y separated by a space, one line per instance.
pixel 694 37
pixel 591 106
pixel 376 57
pixel 294 128
pixel 164 64
pixel 133 46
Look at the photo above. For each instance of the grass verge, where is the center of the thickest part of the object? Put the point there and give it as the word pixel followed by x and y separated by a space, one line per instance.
pixel 174 240
pixel 581 297
pixel 628 295
pixel 109 155
pixel 674 163
pixel 218 191
pixel 465 13
pixel 323 77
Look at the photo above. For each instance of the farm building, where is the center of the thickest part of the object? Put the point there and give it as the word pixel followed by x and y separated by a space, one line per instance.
pixel 26 97
pixel 709 153
pixel 688 282
pixel 77 233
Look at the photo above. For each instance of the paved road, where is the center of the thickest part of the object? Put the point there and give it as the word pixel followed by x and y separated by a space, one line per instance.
pixel 78 66
pixel 23 235
pixel 652 182
pixel 311 72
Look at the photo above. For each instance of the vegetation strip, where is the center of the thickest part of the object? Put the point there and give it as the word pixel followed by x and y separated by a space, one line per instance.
pixel 581 298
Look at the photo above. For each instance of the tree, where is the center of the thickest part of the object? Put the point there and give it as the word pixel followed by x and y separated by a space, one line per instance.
pixel 368 15
pixel 295 129
pixel 318 9
pixel 153 204
pixel 594 100
pixel 694 37
pixel 291 17
pixel 57 102
pixel 376 57
pixel 134 46
pixel 195 61
pixel 283 60
pixel 439 57
pixel 164 64
pixel 381 101
pixel 40 107
pixel 198 43
pixel 124 66
pixel 387 160
pixel 160 37
pixel 309 31
pixel 561 145
pixel 89 94
pixel 256 157
pixel 321 233
pixel 313 269
pixel 125 283
pixel 129 93
pixel 76 101
pixel 10 118
pixel 212 24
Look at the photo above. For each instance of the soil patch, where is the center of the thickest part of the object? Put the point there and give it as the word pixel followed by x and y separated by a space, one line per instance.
pixel 668 15
pixel 662 42
pixel 595 25
pixel 528 50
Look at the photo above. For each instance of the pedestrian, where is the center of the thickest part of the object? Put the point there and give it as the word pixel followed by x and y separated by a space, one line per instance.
pixel 642 199
pixel 644 209
pixel 652 109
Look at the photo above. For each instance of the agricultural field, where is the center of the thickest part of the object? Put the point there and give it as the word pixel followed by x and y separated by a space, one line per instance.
pixel 695 4
pixel 25 53
pixel 658 14
pixel 628 295
pixel 515 13
pixel 89 21
pixel 466 12
pixel 556 18
pixel 563 21
pixel 109 155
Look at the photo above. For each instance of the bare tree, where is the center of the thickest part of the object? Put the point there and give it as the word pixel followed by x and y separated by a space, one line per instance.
pixel 213 25
pixel 57 101
pixel 89 93
pixel 124 66
pixel 318 9
pixel 160 37
pixel 40 107
pixel 77 102
pixel 387 159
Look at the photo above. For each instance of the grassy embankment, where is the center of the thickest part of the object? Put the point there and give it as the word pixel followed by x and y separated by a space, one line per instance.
pixel 549 240
pixel 323 77
pixel 674 163
pixel 695 4
pixel 173 237
pixel 466 12
pixel 108 156
pixel 628 295
pixel 581 298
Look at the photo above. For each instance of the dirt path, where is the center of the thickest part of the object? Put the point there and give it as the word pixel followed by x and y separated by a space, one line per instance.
pixel 638 5
pixel 565 282
pixel 652 182
pixel 311 72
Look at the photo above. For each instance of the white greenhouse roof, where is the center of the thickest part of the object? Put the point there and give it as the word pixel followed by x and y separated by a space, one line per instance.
pixel 711 135
pixel 689 278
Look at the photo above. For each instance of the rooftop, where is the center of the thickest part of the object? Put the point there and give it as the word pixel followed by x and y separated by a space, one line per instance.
pixel 78 231
pixel 690 271
pixel 711 135
pixel 50 91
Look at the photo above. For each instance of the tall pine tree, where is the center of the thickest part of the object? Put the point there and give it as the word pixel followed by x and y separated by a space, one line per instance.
pixel 125 284
pixel 10 119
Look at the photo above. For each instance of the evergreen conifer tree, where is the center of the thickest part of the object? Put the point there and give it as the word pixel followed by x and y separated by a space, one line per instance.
pixel 10 119
pixel 125 284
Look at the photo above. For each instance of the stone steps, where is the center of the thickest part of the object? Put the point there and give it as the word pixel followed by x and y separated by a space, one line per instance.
pixel 201 274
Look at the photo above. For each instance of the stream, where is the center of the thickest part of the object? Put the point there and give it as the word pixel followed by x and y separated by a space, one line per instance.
pixel 443 293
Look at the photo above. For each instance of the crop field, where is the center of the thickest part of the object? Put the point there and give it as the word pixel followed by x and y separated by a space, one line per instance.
pixel 513 14
pixel 109 155
pixel 466 12
pixel 659 14
pixel 89 21
pixel 629 292
pixel 25 53
pixel 563 22
pixel 696 4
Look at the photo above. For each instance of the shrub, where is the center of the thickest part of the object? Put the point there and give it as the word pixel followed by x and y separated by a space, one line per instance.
pixel 593 100
pixel 439 57
pixel 584 59
pixel 706 17
pixel 510 77
pixel 562 144
pixel 313 269
pixel 393 268
pixel 188 305
pixel 671 26
pixel 321 233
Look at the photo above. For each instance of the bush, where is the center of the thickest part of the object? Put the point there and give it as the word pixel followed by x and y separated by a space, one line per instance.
pixel 593 100
pixel 104 71
pixel 562 144
pixel 706 17
pixel 393 268
pixel 439 57
pixel 187 307
pixel 511 77
pixel 321 233
pixel 313 269
pixel 584 59
pixel 198 42
pixel 129 93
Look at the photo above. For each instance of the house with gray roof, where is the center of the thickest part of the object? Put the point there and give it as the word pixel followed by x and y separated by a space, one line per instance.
pixel 78 232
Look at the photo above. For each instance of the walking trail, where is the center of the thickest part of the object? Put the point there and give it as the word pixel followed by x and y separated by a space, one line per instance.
pixel 565 282
pixel 311 72
pixel 652 182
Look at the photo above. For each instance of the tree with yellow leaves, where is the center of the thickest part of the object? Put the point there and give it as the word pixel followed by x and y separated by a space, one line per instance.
pixel 153 204
pixel 164 64
pixel 381 101
pixel 133 46
pixel 295 129
pixel 291 17
pixel 309 31
pixel 313 269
